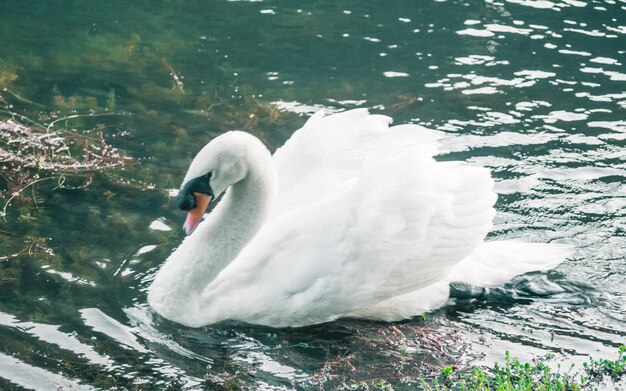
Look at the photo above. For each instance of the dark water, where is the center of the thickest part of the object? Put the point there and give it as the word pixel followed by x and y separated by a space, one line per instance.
pixel 534 89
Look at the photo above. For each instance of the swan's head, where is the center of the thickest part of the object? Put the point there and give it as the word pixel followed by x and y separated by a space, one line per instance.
pixel 221 163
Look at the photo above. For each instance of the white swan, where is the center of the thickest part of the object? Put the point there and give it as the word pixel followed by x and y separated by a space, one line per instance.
pixel 350 218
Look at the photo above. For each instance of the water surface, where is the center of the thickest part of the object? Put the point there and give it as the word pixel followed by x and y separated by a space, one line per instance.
pixel 533 89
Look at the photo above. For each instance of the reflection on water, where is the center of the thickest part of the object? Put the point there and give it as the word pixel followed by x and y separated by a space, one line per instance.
pixel 31 377
pixel 532 89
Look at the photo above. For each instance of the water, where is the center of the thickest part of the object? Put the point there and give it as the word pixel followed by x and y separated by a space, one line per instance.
pixel 533 89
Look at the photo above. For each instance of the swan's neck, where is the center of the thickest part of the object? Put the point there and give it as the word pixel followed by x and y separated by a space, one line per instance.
pixel 177 287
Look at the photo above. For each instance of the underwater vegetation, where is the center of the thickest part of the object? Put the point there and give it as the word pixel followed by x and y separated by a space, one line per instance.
pixel 28 156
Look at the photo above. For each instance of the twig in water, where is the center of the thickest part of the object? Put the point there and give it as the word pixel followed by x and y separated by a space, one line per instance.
pixel 178 84
pixel 51 124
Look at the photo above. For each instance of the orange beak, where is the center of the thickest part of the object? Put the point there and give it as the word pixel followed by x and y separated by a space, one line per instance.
pixel 195 215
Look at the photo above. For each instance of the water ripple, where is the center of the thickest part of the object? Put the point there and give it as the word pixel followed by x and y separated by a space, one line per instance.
pixel 532 89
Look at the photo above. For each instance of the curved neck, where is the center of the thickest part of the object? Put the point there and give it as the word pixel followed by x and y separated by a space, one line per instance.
pixel 235 220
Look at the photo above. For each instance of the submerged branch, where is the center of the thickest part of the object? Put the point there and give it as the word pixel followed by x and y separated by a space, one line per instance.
pixel 178 83
pixel 51 124
pixel 29 156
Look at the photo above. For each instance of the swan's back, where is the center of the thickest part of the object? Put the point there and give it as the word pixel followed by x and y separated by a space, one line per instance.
pixel 329 152
pixel 444 209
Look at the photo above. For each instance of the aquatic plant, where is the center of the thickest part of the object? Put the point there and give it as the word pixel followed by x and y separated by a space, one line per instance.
pixel 7 75
pixel 514 375
pixel 34 154
pixel 405 353
pixel 29 156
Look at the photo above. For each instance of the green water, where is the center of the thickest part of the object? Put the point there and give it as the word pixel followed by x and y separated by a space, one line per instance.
pixel 535 90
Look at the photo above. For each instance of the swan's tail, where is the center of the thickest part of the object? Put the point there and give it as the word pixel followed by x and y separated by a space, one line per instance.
pixel 497 262
pixel 491 264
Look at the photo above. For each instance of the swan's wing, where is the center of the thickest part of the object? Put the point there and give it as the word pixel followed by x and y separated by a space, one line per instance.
pixel 400 226
pixel 328 153
pixel 434 214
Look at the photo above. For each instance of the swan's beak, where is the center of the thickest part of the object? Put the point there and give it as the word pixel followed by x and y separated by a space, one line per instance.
pixel 195 215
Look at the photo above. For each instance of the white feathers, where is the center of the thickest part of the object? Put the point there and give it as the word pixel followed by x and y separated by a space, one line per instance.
pixel 364 222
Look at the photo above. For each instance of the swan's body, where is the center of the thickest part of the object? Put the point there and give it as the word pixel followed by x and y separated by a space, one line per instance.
pixel 348 218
